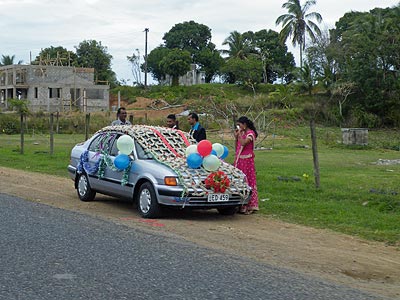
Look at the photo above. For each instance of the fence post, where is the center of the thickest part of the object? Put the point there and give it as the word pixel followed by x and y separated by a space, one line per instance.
pixel 51 134
pixel 87 123
pixel 315 153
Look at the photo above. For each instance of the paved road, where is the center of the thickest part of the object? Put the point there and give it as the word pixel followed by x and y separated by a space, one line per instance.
pixel 49 253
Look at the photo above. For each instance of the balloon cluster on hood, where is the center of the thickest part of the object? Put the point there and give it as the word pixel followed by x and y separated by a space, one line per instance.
pixel 206 154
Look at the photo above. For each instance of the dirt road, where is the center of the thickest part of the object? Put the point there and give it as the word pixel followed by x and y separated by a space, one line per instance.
pixel 366 265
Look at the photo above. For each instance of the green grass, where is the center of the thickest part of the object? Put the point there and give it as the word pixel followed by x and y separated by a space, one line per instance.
pixel 356 196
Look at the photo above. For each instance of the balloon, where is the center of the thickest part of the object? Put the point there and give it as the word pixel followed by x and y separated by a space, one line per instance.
pixel 218 148
pixel 211 163
pixel 204 147
pixel 213 152
pixel 191 149
pixel 122 161
pixel 226 152
pixel 194 160
pixel 125 144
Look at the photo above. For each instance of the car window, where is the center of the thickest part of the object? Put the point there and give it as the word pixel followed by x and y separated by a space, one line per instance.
pixel 102 143
pixel 141 153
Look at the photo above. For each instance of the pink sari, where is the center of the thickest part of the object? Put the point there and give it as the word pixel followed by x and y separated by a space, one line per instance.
pixel 244 160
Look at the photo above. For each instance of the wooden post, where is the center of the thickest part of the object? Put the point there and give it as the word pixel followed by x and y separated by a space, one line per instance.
pixel 87 123
pixel 57 122
pixel 315 153
pixel 22 132
pixel 51 134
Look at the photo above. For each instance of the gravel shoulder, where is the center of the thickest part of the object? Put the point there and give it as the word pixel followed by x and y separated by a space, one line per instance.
pixel 370 266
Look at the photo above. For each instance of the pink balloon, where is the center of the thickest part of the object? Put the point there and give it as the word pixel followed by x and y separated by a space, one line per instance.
pixel 204 147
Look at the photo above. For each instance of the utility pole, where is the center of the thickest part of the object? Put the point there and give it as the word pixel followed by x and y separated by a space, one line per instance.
pixel 146 30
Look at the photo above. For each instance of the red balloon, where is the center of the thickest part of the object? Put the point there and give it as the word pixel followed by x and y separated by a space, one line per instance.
pixel 204 147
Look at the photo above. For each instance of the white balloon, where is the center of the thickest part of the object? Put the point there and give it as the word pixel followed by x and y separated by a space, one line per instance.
pixel 125 144
pixel 191 149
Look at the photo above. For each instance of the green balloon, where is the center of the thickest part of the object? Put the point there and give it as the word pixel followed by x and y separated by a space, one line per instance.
pixel 218 148
pixel 125 144
pixel 211 163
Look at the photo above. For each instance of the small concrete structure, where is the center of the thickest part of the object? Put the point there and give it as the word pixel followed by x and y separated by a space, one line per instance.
pixel 53 88
pixel 192 77
pixel 355 136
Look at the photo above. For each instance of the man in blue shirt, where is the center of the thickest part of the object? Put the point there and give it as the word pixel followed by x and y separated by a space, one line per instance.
pixel 197 131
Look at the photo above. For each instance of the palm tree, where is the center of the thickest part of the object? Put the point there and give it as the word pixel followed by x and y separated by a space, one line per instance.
pixel 297 22
pixel 7 60
pixel 239 46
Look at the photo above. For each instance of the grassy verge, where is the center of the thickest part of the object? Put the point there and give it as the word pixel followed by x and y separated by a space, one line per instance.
pixel 357 196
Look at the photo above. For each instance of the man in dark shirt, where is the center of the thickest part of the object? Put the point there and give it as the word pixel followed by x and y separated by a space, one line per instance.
pixel 172 122
pixel 197 131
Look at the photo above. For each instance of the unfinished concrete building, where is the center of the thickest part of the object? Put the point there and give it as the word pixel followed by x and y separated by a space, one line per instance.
pixel 53 88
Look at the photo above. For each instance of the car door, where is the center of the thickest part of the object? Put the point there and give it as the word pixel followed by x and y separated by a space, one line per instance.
pixel 98 148
pixel 113 180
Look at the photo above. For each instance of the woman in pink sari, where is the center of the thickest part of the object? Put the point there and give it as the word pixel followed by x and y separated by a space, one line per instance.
pixel 246 135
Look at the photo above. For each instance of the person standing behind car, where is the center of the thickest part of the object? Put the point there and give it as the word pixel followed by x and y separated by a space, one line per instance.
pixel 197 131
pixel 121 117
pixel 172 122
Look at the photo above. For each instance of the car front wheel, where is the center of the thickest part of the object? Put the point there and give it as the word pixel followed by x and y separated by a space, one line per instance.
pixel 85 192
pixel 147 201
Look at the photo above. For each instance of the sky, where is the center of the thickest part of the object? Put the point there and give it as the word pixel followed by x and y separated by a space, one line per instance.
pixel 27 26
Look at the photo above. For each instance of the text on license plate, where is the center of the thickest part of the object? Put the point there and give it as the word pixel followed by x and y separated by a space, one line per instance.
pixel 218 197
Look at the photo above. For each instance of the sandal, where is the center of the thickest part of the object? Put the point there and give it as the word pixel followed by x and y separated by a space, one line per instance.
pixel 249 212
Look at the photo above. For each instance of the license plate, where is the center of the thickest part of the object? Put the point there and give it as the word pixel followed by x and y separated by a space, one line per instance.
pixel 218 197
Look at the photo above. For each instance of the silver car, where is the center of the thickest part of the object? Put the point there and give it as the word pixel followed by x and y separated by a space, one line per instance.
pixel 158 174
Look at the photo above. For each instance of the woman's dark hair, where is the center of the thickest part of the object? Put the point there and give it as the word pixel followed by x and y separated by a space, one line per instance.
pixel 249 123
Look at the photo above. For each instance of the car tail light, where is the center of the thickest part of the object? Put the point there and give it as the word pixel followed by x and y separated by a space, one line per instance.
pixel 170 181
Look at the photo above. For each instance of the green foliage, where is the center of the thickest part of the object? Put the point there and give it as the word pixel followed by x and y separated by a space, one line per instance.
pixel 176 63
pixel 92 54
pixel 297 23
pixel 195 38
pixel 7 60
pixel 357 48
pixel 58 55
pixel 247 72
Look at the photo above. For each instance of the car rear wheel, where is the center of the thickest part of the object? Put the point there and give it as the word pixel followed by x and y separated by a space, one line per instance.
pixel 85 192
pixel 147 201
pixel 227 211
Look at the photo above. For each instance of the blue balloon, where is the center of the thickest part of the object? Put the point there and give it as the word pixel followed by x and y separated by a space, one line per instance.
pixel 194 160
pixel 226 152
pixel 122 161
pixel 213 152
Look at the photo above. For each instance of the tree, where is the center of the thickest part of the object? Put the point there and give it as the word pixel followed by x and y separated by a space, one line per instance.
pixel 297 22
pixel 247 72
pixel 239 46
pixel 135 64
pixel 176 63
pixel 7 60
pixel 365 48
pixel 196 39
pixel 277 61
pixel 92 54
pixel 57 56
pixel 153 62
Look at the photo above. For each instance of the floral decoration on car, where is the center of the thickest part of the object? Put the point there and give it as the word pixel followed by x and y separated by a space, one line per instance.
pixel 218 181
